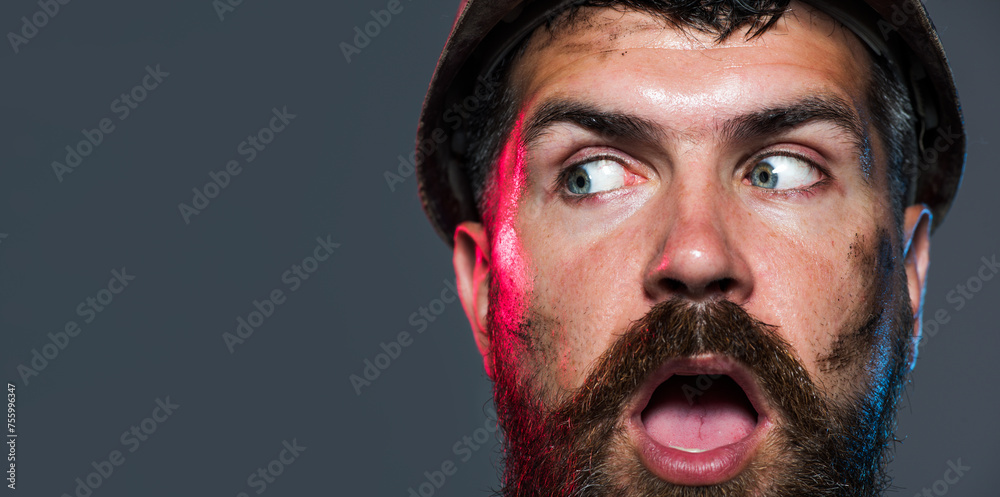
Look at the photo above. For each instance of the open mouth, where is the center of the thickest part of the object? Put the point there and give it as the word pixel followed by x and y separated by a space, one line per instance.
pixel 699 413
pixel 698 421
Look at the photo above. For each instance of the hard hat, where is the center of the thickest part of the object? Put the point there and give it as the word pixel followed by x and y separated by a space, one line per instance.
pixel 485 31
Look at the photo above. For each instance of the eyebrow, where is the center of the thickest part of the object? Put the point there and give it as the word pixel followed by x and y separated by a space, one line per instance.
pixel 769 121
pixel 614 125
pixel 831 109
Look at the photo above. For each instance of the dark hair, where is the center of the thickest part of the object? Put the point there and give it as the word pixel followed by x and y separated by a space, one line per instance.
pixel 888 98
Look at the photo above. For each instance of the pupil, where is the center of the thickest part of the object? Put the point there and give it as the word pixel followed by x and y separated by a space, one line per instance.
pixel 764 177
pixel 581 182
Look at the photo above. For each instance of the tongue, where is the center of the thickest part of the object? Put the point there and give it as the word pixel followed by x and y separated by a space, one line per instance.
pixel 699 413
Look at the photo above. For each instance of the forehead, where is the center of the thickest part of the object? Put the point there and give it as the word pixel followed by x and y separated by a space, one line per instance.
pixel 610 54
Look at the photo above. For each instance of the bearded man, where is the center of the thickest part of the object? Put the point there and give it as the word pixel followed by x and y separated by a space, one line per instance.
pixel 692 237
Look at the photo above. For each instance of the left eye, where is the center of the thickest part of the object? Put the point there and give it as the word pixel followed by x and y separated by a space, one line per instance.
pixel 782 172
pixel 595 176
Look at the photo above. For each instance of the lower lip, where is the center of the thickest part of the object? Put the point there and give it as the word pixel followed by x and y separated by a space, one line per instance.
pixel 696 469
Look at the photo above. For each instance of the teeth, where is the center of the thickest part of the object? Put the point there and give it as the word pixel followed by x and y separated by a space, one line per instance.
pixel 690 451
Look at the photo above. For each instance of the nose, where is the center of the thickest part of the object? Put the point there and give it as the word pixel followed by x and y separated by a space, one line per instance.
pixel 697 257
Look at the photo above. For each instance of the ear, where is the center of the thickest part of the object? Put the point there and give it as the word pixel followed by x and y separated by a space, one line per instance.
pixel 472 271
pixel 917 258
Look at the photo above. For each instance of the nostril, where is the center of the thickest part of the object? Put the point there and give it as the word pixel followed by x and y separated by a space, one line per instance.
pixel 716 288
pixel 674 285
pixel 724 285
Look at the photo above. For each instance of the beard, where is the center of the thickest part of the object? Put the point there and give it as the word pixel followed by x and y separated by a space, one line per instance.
pixel 820 445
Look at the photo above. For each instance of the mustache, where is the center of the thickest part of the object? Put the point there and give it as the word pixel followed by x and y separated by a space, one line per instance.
pixel 680 328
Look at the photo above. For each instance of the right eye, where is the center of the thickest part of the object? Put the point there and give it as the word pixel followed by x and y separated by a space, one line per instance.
pixel 596 176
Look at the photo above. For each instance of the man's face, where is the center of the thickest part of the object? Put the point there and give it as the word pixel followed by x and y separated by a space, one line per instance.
pixel 652 179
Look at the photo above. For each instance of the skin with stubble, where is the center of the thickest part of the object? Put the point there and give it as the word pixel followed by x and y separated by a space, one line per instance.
pixel 664 199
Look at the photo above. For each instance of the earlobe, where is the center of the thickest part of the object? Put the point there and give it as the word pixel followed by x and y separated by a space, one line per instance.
pixel 916 256
pixel 471 259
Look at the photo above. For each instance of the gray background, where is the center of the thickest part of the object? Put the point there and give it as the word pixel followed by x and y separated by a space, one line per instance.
pixel 323 175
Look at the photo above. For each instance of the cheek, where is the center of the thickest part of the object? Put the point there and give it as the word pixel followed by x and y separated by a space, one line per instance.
pixel 510 264
pixel 823 299
pixel 810 306
pixel 591 290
